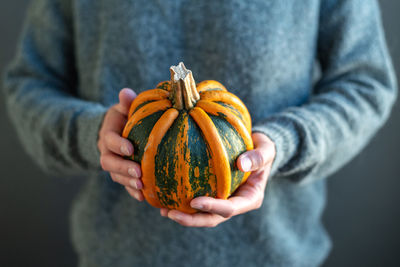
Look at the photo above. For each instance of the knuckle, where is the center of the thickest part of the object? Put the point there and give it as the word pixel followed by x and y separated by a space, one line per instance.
pixel 108 138
pixel 121 169
pixel 101 132
pixel 103 162
pixel 258 158
pixel 118 167
pixel 229 213
pixel 101 146
pixel 207 207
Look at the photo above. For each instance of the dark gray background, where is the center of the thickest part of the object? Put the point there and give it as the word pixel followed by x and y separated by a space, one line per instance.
pixel 362 216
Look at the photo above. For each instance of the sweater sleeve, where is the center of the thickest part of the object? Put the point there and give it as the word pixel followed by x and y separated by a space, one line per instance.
pixel 58 129
pixel 350 101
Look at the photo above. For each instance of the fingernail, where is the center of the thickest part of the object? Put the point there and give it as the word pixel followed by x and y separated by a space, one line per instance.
pixel 136 196
pixel 132 172
pixel 133 184
pixel 125 151
pixel 246 163
pixel 197 206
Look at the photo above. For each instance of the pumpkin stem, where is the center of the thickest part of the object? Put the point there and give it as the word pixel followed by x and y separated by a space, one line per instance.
pixel 184 91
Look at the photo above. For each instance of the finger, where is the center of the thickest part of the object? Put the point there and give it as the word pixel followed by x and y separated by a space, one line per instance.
pixel 137 194
pixel 249 199
pixel 250 195
pixel 135 183
pixel 116 164
pixel 258 179
pixel 196 220
pixel 260 156
pixel 164 212
pixel 115 120
pixel 221 207
pixel 126 96
pixel 117 144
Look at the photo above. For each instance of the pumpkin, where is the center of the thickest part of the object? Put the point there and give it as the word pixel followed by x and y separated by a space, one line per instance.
pixel 187 139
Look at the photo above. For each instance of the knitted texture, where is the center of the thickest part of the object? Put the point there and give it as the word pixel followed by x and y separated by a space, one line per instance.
pixel 315 75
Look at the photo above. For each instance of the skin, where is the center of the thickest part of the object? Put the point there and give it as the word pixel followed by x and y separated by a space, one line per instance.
pixel 113 147
pixel 247 197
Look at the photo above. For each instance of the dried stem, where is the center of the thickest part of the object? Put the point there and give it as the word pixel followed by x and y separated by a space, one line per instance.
pixel 184 90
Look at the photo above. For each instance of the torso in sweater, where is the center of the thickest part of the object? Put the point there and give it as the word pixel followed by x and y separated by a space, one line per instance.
pixel 264 52
pixel 75 55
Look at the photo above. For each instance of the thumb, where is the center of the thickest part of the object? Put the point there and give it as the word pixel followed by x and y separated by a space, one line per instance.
pixel 261 156
pixel 126 96
pixel 252 160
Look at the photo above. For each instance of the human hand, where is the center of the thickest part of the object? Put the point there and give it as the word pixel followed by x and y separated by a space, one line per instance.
pixel 113 147
pixel 249 196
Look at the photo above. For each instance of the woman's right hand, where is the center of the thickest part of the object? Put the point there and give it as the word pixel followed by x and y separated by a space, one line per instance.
pixel 113 147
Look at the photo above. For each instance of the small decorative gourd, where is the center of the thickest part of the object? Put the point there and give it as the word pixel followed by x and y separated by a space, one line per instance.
pixel 187 139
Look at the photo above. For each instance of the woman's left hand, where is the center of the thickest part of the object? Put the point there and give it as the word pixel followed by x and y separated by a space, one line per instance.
pixel 249 196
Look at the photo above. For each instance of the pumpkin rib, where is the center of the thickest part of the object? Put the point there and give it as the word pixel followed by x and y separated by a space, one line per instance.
pixel 230 108
pixel 143 112
pixel 182 166
pixel 231 99
pixel 218 110
pixel 210 85
pixel 148 161
pixel 150 95
pixel 218 152
pixel 165 85
pixel 236 122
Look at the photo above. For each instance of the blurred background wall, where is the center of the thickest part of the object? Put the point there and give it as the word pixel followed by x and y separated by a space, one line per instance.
pixel 362 216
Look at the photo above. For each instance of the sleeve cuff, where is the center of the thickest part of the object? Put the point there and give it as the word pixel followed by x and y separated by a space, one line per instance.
pixel 89 124
pixel 285 144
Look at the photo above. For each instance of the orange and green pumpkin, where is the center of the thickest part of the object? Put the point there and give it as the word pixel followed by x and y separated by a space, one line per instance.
pixel 187 139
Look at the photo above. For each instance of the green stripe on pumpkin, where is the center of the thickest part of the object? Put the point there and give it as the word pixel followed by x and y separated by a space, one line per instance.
pixel 163 85
pixel 200 175
pixel 232 109
pixel 200 172
pixel 142 104
pixel 234 146
pixel 140 133
pixel 165 165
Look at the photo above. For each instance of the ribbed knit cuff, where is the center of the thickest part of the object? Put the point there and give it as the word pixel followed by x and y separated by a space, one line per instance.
pixel 285 143
pixel 88 126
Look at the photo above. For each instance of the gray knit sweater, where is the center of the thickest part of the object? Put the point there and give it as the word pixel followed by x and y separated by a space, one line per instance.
pixel 315 75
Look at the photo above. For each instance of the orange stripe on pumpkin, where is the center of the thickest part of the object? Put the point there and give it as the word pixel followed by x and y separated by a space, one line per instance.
pixel 230 99
pixel 218 110
pixel 150 151
pixel 218 152
pixel 144 112
pixel 182 168
pixel 210 85
pixel 149 95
